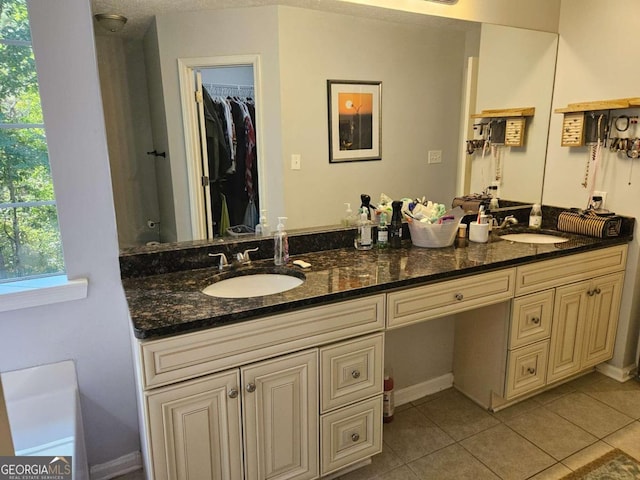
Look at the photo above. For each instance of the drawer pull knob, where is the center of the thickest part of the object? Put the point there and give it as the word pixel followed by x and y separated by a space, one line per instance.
pixel 251 387
pixel 591 293
pixel 233 392
pixel 355 437
pixel 459 296
pixel 355 374
pixel 598 291
pixel 532 371
pixel 535 320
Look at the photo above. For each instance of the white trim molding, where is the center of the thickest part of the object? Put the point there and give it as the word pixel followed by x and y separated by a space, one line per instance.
pixel 419 390
pixel 41 291
pixel 120 466
pixel 620 374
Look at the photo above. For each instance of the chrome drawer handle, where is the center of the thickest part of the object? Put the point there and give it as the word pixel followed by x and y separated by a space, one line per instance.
pixel 355 437
pixel 355 374
pixel 251 387
pixel 459 296
pixel 532 371
pixel 535 320
pixel 233 392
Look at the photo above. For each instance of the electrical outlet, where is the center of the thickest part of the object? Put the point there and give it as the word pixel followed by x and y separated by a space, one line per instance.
pixel 602 203
pixel 435 156
pixel 295 161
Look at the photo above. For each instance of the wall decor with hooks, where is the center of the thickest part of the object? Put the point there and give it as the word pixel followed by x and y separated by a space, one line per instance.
pixel 500 127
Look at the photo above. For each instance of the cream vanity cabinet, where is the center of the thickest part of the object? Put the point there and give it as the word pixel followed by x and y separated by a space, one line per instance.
pixel 561 322
pixel 243 401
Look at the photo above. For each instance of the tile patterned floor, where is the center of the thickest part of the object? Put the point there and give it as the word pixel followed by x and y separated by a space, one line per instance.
pixel 446 436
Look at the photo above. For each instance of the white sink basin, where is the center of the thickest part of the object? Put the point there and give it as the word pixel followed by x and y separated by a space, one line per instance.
pixel 254 285
pixel 533 238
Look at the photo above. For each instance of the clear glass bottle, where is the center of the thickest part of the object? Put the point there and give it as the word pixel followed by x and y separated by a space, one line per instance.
pixel 281 244
pixel 383 232
pixel 364 239
pixel 535 217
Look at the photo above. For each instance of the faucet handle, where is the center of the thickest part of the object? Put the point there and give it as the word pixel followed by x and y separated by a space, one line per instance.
pixel 223 260
pixel 244 257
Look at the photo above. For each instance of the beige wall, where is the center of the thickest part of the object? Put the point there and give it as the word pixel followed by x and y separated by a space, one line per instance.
pixel 421 73
pixel 516 69
pixel 590 69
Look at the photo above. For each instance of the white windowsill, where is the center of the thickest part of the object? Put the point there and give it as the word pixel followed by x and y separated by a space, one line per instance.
pixel 41 291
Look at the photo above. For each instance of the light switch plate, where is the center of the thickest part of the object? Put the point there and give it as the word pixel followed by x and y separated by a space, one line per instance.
pixel 295 161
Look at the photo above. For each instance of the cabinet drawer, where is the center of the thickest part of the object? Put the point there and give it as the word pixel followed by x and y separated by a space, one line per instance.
pixel 531 318
pixel 526 368
pixel 573 268
pixel 446 298
pixel 351 434
pixel 351 371
pixel 173 359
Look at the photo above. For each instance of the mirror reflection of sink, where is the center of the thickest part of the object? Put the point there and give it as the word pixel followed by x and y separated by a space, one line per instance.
pixel 254 283
pixel 527 237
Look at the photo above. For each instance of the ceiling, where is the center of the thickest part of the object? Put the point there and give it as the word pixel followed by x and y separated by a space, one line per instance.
pixel 140 12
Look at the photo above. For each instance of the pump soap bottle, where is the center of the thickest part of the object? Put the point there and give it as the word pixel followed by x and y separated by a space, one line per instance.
pixel 364 239
pixel 280 244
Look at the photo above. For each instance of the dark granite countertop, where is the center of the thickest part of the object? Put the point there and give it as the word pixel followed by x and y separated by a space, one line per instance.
pixel 172 303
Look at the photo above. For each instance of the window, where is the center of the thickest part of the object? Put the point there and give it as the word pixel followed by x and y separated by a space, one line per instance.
pixel 30 244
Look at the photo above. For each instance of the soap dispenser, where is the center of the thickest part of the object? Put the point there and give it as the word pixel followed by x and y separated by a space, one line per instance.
pixel 280 244
pixel 348 220
pixel 535 217
pixel 364 239
pixel 264 226
pixel 366 204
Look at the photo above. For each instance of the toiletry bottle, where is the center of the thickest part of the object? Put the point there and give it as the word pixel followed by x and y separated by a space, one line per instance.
pixel 348 220
pixel 364 239
pixel 535 217
pixel 383 232
pixel 264 226
pixel 280 244
pixel 366 203
pixel 395 229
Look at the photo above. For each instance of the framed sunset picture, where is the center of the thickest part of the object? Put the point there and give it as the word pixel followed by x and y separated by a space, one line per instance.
pixel 354 120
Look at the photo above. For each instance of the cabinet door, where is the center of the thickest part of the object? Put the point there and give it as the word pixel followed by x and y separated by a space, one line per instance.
pixel 195 429
pixel 280 417
pixel 602 319
pixel 569 316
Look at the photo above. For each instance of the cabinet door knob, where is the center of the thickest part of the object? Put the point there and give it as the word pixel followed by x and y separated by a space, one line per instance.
pixel 355 374
pixel 535 320
pixel 251 387
pixel 233 392
pixel 532 371
pixel 355 437
pixel 598 291
pixel 458 296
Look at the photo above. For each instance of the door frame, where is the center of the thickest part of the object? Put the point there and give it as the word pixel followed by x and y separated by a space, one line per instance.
pixel 186 68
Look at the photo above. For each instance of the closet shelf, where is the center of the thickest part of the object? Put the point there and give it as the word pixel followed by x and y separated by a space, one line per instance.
pixel 600 105
pixel 507 112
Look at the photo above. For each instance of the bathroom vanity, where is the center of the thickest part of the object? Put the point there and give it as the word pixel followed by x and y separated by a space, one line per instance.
pixel 290 385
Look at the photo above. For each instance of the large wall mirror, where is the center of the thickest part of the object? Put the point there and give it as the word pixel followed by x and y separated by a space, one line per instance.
pixel 429 89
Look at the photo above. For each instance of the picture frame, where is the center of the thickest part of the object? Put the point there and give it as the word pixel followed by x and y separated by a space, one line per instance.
pixel 355 120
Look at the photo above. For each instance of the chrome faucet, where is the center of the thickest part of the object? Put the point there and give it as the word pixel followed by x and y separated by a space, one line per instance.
pixel 223 260
pixel 243 257
pixel 508 220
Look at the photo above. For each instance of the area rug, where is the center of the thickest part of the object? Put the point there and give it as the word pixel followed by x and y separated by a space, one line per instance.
pixel 615 465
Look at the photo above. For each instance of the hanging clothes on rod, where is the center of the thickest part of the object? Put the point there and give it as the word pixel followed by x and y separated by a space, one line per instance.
pixel 233 158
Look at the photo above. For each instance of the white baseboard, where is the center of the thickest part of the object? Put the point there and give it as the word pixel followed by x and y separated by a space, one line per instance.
pixel 120 466
pixel 619 374
pixel 419 390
